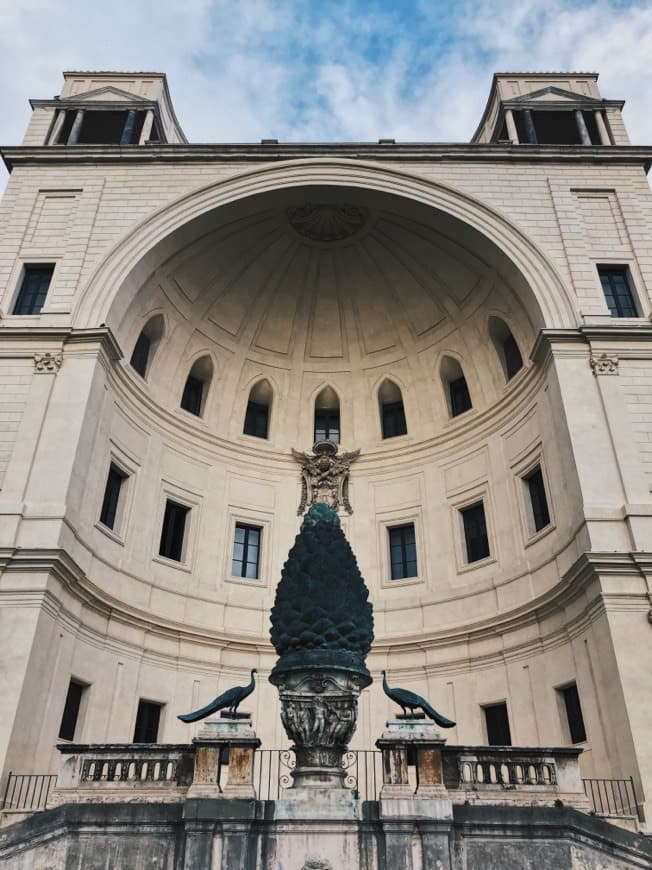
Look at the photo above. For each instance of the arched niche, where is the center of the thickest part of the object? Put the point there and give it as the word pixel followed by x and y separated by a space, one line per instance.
pixel 146 344
pixel 456 389
pixel 506 346
pixel 259 407
pixel 197 384
pixel 392 410
pixel 327 416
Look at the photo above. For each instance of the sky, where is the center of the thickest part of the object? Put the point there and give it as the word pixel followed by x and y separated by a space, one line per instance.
pixel 301 70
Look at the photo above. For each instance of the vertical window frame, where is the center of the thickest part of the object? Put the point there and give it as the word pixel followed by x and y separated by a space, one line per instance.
pixel 187 395
pixel 129 466
pixel 256 519
pixel 401 534
pixel 461 501
pixel 522 468
pixel 567 726
pixel 465 513
pixel 185 498
pixel 393 519
pixel 24 270
pixel 80 712
pixel 610 271
pixel 252 539
pixel 159 724
pixel 485 722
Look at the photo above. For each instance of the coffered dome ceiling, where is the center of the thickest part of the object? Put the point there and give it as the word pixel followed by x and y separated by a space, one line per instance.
pixel 334 277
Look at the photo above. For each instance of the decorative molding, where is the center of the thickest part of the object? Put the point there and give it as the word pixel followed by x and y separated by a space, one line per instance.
pixel 327 222
pixel 47 363
pixel 325 476
pixel 603 364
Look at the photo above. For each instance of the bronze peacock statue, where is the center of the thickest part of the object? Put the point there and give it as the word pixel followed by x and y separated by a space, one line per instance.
pixel 410 700
pixel 230 700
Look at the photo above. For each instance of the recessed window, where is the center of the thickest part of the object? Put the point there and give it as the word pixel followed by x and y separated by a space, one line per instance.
pixel 71 710
pixel 101 127
pixel 538 501
pixel 33 288
pixel 456 389
pixel 246 551
pixel 574 716
pixel 617 291
pixel 392 411
pixel 174 530
pixel 193 392
pixel 475 532
pixel 402 551
pixel 111 499
pixel 148 719
pixel 506 347
pixel 193 397
pixel 145 345
pixel 497 724
pixel 327 416
pixel 257 415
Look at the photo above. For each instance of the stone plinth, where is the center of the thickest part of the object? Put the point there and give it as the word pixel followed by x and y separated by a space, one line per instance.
pixel 422 737
pixel 216 738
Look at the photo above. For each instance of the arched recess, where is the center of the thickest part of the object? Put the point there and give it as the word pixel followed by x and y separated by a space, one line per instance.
pixel 327 416
pixel 146 344
pixel 198 381
pixel 456 389
pixel 392 411
pixel 506 346
pixel 114 284
pixel 259 409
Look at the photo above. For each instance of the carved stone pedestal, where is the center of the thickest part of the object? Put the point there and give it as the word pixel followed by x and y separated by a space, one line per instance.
pixel 319 708
pixel 422 738
pixel 216 738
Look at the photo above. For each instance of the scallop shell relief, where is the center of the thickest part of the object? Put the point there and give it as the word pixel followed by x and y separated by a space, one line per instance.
pixel 327 222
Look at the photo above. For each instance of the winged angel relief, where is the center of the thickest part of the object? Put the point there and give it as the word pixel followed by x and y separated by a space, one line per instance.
pixel 325 476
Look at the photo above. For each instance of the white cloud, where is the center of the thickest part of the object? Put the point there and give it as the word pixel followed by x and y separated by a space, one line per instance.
pixel 305 71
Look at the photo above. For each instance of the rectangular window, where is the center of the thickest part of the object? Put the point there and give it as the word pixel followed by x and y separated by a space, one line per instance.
pixel 327 425
pixel 475 532
pixel 173 532
pixel 617 291
pixel 256 420
pixel 246 551
pixel 393 419
pixel 71 710
pixel 538 500
pixel 497 722
pixel 112 496
pixel 460 397
pixel 193 393
pixel 403 551
pixel 147 722
pixel 34 288
pixel 574 713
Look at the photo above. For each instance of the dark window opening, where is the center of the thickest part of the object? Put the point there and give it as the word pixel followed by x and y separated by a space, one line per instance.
pixel 497 722
pixel 193 394
pixel 173 532
pixel 327 424
pixel 393 419
pixel 556 128
pixel 537 491
pixel 71 710
pixel 246 551
pixel 459 395
pixel 574 714
pixel 513 358
pixel 503 135
pixel 256 420
pixel 140 354
pixel 403 551
pixel 521 130
pixel 33 289
pixel 147 722
pixel 66 127
pixel 475 532
pixel 617 291
pixel 112 496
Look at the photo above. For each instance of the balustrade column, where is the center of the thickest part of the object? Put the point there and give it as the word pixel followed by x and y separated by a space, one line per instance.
pixel 603 133
pixel 512 132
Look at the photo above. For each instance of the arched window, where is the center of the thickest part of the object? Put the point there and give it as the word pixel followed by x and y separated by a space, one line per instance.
pixel 327 416
pixel 456 389
pixel 143 352
pixel 506 347
pixel 258 408
pixel 392 412
pixel 195 390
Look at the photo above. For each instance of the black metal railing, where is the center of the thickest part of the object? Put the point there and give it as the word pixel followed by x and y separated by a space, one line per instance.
pixel 273 773
pixel 27 792
pixel 612 797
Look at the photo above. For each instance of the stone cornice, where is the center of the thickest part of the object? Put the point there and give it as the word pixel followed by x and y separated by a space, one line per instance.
pixel 639 334
pixel 250 153
pixel 67 337
pixel 572 585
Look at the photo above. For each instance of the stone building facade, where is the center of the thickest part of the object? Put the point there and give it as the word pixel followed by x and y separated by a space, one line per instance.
pixel 177 318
